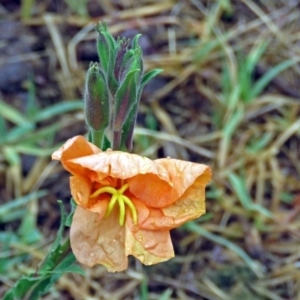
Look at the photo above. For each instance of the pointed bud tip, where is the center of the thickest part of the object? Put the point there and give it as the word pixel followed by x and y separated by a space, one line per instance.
pixel 101 27
pixel 136 41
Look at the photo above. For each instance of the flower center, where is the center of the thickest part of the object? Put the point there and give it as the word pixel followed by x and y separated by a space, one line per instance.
pixel 118 196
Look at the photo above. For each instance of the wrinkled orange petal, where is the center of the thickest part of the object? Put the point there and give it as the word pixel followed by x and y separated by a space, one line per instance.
pixel 80 189
pixel 77 146
pixel 153 218
pixel 189 206
pixel 73 148
pixel 157 193
pixel 151 190
pixel 118 164
pixel 150 247
pixel 109 244
pixel 100 207
pixel 96 242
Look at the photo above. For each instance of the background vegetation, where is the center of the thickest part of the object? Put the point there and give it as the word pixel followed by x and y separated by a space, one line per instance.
pixel 229 97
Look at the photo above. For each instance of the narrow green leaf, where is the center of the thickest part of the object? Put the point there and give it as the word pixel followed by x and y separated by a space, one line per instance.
pixel 246 69
pixel 79 7
pixel 166 294
pixel 262 210
pixel 255 56
pixel 51 258
pixel 33 136
pixel 146 79
pixel 105 47
pixel 3 128
pixel 57 109
pixel 8 263
pixel 11 156
pixel 70 216
pixel 239 188
pixel 13 115
pixel 34 150
pixel 244 78
pixel 232 123
pixel 16 133
pixel 144 293
pixel 59 235
pixel 66 266
pixel 32 107
pixel 148 76
pixel 253 265
pixel 34 286
pixel 225 84
pixel 18 204
pixel 21 288
pixel 135 43
pixel 261 142
pixel 71 269
pixel 234 97
pixel 261 84
pixel 28 230
pixel 103 53
pixel 42 286
pixel 204 50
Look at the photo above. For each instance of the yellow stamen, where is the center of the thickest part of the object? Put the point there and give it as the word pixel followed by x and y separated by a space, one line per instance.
pixel 111 205
pixel 123 188
pixel 132 209
pixel 106 189
pixel 122 210
pixel 118 196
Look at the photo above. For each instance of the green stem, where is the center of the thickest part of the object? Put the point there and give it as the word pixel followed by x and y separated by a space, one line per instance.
pixel 97 137
pixel 65 250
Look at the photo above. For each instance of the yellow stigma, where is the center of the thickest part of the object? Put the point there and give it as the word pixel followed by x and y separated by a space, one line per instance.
pixel 117 196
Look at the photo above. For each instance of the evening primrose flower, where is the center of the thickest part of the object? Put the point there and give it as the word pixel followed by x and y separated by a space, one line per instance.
pixel 127 204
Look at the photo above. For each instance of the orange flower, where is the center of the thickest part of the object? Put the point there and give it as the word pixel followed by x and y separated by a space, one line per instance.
pixel 127 204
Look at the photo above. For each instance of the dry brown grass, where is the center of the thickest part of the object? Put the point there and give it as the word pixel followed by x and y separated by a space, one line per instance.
pixel 247 245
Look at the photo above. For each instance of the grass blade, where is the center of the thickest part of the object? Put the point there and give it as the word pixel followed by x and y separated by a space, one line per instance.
pixel 11 114
pixel 253 265
pixel 260 85
pixel 58 109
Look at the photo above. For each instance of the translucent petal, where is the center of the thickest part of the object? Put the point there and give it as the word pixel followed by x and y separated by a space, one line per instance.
pixel 96 242
pixel 150 247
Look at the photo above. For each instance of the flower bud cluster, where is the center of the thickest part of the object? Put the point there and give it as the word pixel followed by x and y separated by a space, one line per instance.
pixel 113 90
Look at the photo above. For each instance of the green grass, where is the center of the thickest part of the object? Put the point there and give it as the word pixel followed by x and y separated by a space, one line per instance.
pixel 234 111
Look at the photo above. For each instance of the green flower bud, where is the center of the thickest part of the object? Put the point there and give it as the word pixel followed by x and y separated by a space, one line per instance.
pixel 125 98
pixel 113 90
pixel 96 100
pixel 119 57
